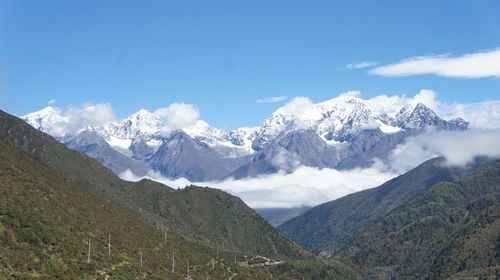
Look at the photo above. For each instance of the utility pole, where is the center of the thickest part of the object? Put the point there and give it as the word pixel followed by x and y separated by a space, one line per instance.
pixel 188 270
pixel 88 253
pixel 173 261
pixel 140 255
pixel 217 254
pixel 109 244
pixel 165 237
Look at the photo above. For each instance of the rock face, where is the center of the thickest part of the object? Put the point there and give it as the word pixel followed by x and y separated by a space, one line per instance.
pixel 420 117
pixel 183 156
pixel 344 132
pixel 94 145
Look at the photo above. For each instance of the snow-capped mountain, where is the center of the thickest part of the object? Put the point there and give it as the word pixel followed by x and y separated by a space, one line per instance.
pixel 419 116
pixel 334 120
pixel 343 132
pixel 231 144
pixel 48 120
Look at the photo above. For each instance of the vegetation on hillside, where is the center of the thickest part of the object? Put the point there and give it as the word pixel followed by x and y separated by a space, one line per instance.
pixel 202 214
pixel 339 218
pixel 450 230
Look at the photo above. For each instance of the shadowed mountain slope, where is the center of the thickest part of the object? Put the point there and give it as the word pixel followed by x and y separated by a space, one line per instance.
pixel 336 219
pixel 450 231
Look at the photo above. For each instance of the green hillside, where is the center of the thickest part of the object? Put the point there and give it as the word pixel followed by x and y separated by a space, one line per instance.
pixel 452 230
pixel 202 214
pixel 338 218
pixel 46 221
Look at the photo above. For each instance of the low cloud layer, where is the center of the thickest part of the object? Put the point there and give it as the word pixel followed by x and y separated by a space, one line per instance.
pixel 458 147
pixel 305 186
pixel 468 66
pixel 308 186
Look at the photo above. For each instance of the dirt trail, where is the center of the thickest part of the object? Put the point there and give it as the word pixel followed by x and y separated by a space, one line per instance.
pixel 113 268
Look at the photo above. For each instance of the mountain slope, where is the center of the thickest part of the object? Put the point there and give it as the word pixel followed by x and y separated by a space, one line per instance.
pixel 46 221
pixel 277 216
pixel 336 219
pixel 155 202
pixel 450 230
pixel 93 145
pixel 182 156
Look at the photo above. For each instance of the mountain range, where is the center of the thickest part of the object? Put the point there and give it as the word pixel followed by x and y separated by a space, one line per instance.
pixel 343 133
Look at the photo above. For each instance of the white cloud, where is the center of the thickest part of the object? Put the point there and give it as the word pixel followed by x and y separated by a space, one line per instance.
pixel 285 160
pixel 304 186
pixel 128 175
pixel 469 66
pixel 480 115
pixel 393 104
pixel 51 102
pixel 273 99
pixel 360 65
pixel 89 115
pixel 179 115
pixel 351 93
pixel 458 147
pixel 427 97
pixel 72 119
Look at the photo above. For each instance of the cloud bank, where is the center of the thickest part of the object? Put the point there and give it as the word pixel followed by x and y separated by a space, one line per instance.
pixel 309 186
pixel 304 186
pixel 468 66
pixel 458 147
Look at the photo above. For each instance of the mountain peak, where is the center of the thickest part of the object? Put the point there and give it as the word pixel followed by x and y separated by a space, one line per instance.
pixel 140 123
pixel 142 111
pixel 143 114
pixel 419 116
pixel 45 111
pixel 48 120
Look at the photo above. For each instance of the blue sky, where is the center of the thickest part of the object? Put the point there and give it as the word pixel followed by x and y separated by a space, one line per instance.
pixel 224 55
